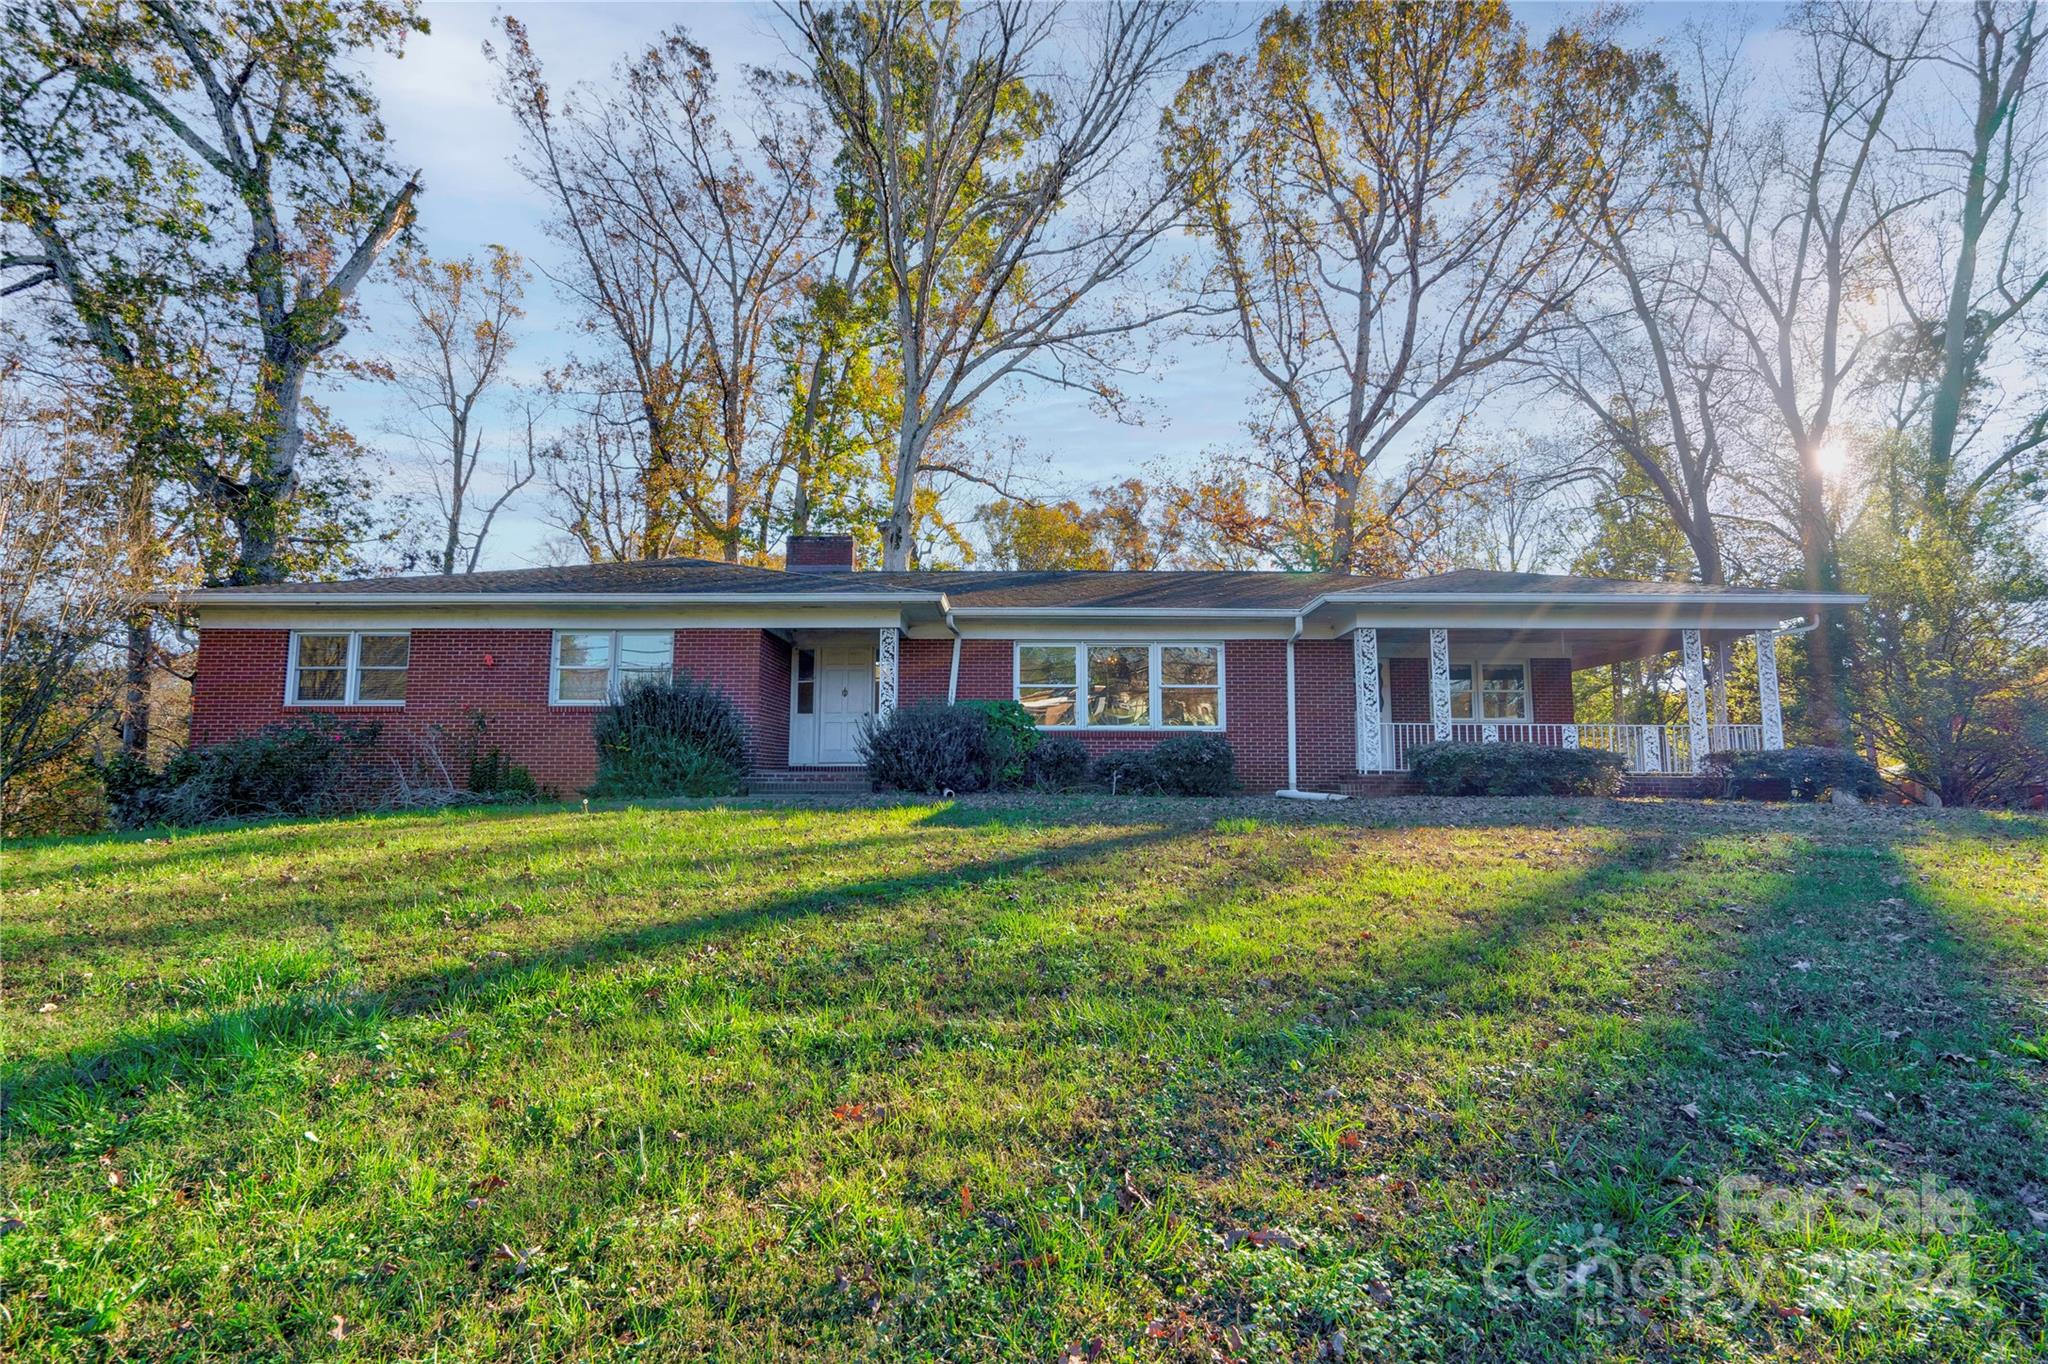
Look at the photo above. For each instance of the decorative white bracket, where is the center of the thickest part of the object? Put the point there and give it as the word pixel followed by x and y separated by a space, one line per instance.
pixel 1490 734
pixel 1653 749
pixel 1767 688
pixel 1440 682
pixel 1365 675
pixel 1570 737
pixel 1696 700
pixel 885 671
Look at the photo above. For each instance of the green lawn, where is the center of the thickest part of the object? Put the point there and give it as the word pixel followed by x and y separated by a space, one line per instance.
pixel 1032 1080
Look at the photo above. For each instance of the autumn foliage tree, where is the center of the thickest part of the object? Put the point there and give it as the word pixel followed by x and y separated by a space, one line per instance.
pixel 196 190
pixel 1386 192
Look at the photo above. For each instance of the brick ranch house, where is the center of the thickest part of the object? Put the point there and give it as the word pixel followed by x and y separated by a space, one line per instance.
pixel 1319 681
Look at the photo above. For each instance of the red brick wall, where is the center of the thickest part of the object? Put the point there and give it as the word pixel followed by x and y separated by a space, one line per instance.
pixel 1407 698
pixel 239 688
pixel 1550 691
pixel 922 667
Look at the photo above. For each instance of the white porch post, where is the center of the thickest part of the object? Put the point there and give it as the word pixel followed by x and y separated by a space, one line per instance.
pixel 1767 688
pixel 1365 675
pixel 1440 682
pixel 1696 700
pixel 885 671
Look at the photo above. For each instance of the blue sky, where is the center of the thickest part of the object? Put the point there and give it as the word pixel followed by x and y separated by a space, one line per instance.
pixel 442 117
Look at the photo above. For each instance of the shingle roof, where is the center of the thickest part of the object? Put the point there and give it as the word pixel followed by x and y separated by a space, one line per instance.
pixel 968 591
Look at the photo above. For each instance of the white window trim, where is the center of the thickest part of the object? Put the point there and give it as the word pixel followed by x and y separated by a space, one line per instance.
pixel 1152 675
pixel 352 672
pixel 611 682
pixel 1476 692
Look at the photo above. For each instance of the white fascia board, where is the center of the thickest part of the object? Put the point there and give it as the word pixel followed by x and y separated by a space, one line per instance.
pixel 1529 599
pixel 474 615
pixel 237 596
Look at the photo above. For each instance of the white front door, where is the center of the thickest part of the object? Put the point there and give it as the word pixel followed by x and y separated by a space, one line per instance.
pixel 829 706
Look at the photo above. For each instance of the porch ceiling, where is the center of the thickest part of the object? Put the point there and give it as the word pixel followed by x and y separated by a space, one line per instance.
pixel 1588 648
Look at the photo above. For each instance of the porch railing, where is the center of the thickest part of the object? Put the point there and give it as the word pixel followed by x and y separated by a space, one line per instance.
pixel 1660 749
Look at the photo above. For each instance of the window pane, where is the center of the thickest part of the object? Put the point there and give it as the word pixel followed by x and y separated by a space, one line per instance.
pixel 583 684
pixel 1119 684
pixel 1048 705
pixel 1187 705
pixel 806 664
pixel 1187 665
pixel 322 684
pixel 1046 665
pixel 381 684
pixel 585 651
pixel 646 651
pixel 806 696
pixel 323 651
pixel 1506 693
pixel 384 651
pixel 1461 690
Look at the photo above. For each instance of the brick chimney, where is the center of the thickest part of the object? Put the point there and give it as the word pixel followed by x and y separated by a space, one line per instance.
pixel 819 554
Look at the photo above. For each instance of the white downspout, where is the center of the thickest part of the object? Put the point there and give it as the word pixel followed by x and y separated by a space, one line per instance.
pixel 1293 790
pixel 953 677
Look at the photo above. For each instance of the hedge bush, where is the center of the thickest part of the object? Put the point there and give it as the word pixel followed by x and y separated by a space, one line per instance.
pixel 1012 738
pixel 1057 762
pixel 1514 770
pixel 1801 773
pixel 1185 765
pixel 674 738
pixel 1195 765
pixel 1126 774
pixel 930 747
pixel 301 767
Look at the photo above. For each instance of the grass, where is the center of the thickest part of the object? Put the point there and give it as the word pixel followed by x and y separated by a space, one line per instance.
pixel 1032 1079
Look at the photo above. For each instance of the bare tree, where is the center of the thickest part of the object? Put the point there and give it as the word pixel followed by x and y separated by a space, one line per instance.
pixel 1795 203
pixel 457 342
pixel 1972 273
pixel 74 564
pixel 691 248
pixel 1388 194
pixel 993 146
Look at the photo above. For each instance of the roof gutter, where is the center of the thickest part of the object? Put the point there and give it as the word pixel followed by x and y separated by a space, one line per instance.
pixel 242 596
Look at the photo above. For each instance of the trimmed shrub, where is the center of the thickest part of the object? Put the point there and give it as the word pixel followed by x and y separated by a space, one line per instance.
pixel 1798 773
pixel 932 747
pixel 674 738
pixel 491 774
pixel 301 767
pixel 1012 736
pixel 1127 774
pixel 1057 763
pixel 1514 770
pixel 1195 765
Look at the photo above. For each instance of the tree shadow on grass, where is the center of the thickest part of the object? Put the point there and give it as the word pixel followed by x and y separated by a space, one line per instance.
pixel 1834 1033
pixel 153 1057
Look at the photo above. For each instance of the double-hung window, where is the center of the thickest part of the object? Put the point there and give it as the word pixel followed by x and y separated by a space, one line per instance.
pixel 348 668
pixel 1503 692
pixel 593 666
pixel 1122 686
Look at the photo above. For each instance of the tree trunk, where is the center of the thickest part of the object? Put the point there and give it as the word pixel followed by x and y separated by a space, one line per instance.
pixel 897 536
pixel 1827 652
pixel 135 699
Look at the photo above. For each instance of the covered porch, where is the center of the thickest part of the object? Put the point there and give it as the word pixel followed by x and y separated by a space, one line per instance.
pixel 1419 685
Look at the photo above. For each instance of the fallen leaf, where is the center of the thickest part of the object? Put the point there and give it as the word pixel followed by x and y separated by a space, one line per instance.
pixel 1802 965
pixel 338 1331
pixel 1690 1110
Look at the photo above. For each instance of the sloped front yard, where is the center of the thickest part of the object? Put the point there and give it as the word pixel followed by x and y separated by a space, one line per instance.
pixel 1032 1080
